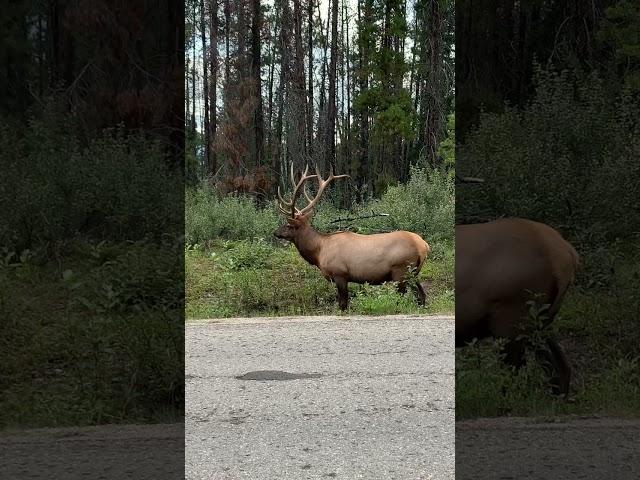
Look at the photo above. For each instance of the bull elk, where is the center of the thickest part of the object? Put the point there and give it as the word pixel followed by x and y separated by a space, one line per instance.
pixel 498 265
pixel 345 257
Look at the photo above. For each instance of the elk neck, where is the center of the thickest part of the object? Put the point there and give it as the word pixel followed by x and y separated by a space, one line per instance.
pixel 309 243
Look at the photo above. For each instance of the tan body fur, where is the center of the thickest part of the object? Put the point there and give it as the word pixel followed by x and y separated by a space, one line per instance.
pixel 345 257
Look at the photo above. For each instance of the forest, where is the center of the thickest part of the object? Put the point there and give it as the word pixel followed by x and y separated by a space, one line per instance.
pixel 548 109
pixel 364 89
pixel 360 88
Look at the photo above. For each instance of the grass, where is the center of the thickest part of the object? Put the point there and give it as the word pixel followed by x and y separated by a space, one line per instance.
pixel 91 334
pixel 598 326
pixel 257 278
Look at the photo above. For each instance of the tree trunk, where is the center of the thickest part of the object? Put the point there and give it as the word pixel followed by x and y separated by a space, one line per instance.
pixel 310 69
pixel 213 103
pixel 256 47
pixel 330 148
pixel 205 87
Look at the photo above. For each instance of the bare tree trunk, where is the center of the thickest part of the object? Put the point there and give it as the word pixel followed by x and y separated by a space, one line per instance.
pixel 348 68
pixel 187 95
pixel 284 33
pixel 205 87
pixel 193 78
pixel 310 69
pixel 256 50
pixel 330 149
pixel 227 33
pixel 301 108
pixel 271 75
pixel 213 103
pixel 322 115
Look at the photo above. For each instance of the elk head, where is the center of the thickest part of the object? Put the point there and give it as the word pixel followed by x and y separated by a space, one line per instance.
pixel 299 221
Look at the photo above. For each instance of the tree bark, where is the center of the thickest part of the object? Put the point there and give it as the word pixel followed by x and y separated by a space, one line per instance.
pixel 213 103
pixel 205 87
pixel 256 66
pixel 330 148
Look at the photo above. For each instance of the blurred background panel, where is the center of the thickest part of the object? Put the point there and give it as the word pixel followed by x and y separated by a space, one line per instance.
pixel 91 225
pixel 547 106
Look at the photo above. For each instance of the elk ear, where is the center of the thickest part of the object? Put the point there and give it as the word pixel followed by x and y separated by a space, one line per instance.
pixel 308 216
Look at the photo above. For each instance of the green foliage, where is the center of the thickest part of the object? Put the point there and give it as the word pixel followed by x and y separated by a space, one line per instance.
pixel 620 30
pixel 235 267
pixel 92 337
pixel 447 148
pixel 56 184
pixel 92 329
pixel 424 205
pixel 568 158
pixel 599 330
pixel 383 300
pixel 208 216
pixel 247 278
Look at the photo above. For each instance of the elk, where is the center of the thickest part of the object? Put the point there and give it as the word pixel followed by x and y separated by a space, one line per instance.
pixel 499 265
pixel 345 257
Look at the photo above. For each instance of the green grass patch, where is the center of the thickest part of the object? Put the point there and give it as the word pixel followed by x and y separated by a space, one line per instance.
pixel 251 278
pixel 91 334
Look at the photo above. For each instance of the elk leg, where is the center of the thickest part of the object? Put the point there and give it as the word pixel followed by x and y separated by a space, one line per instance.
pixel 343 292
pixel 514 354
pixel 402 287
pixel 555 364
pixel 422 296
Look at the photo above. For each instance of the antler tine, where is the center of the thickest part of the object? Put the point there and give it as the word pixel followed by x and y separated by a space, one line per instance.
pixel 321 186
pixel 299 188
pixel 283 203
pixel 289 208
pixel 293 178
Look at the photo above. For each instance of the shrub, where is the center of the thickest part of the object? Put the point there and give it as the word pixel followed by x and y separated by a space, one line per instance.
pixel 424 205
pixel 209 216
pixel 57 184
pixel 568 158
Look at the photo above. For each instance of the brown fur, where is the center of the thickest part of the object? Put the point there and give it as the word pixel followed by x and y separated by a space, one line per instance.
pixel 497 265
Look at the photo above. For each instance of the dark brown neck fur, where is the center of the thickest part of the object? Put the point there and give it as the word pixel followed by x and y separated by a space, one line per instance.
pixel 308 244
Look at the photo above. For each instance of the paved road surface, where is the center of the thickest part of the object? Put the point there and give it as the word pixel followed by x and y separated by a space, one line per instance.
pixel 113 452
pixel 375 401
pixel 568 449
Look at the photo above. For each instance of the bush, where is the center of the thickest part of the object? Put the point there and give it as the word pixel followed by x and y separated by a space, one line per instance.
pixel 569 158
pixel 57 184
pixel 209 216
pixel 424 205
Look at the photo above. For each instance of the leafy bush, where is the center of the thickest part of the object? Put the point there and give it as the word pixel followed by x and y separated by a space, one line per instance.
pixel 569 158
pixel 209 216
pixel 93 337
pixel 57 184
pixel 425 205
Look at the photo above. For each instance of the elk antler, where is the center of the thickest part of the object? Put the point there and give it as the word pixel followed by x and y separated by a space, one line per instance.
pixel 322 184
pixel 289 208
pixel 299 188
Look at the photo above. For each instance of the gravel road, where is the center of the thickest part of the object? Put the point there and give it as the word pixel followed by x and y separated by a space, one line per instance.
pixel 320 397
